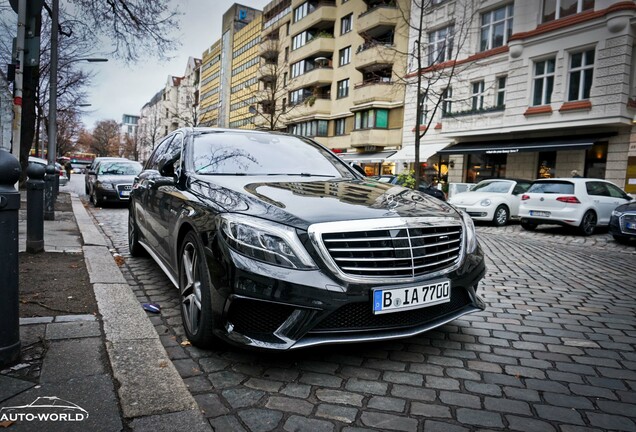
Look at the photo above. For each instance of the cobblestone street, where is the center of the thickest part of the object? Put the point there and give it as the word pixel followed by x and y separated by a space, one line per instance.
pixel 554 350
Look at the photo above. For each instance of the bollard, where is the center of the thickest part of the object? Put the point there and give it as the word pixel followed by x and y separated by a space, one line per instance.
pixel 57 184
pixel 35 208
pixel 49 193
pixel 9 298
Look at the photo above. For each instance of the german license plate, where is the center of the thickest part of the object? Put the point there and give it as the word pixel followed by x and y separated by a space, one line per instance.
pixel 125 193
pixel 630 225
pixel 414 297
pixel 539 213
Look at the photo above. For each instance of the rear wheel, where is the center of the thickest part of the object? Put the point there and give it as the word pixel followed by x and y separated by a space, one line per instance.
pixel 588 223
pixel 194 288
pixel 528 226
pixel 502 214
pixel 135 248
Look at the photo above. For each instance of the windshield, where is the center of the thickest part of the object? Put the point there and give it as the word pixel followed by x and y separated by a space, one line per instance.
pixel 492 186
pixel 552 187
pixel 119 168
pixel 235 153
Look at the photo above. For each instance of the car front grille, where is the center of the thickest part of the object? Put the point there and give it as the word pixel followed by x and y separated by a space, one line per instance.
pixel 395 252
pixel 359 316
pixel 252 317
pixel 124 187
pixel 628 218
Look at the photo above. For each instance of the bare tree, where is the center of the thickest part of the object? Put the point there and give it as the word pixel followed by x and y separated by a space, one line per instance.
pixel 151 127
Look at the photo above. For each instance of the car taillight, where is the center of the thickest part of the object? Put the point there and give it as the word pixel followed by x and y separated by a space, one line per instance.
pixel 569 199
pixel 525 197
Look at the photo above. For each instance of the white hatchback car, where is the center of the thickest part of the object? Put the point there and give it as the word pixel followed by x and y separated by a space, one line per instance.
pixel 584 203
pixel 493 200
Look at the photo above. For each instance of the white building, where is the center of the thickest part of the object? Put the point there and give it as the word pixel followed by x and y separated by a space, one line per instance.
pixel 539 88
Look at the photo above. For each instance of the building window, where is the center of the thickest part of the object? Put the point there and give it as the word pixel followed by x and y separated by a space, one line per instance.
pixel 287 28
pixel 299 40
pixel 301 11
pixel 297 69
pixel 496 27
pixel 346 24
pixel 285 78
pixel 543 82
pixel 501 92
pixel 478 96
pixel 167 113
pixel 339 128
pixel 286 53
pixel 343 88
pixel 555 9
pixel 581 71
pixel 372 119
pixel 309 128
pixel 345 56
pixel 440 45
pixel 447 103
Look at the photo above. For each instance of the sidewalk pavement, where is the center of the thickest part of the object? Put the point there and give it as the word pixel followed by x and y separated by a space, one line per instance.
pixel 112 365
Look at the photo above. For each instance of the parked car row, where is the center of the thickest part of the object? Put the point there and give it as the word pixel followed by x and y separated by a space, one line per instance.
pixel 58 168
pixel 582 203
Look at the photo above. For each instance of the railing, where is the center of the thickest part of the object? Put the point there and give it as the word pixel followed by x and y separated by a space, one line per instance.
pixel 376 7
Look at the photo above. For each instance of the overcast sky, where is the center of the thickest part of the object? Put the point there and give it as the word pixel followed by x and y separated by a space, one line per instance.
pixel 123 89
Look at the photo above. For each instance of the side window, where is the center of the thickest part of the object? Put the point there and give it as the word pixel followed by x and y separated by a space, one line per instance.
pixel 615 191
pixel 520 188
pixel 153 160
pixel 175 148
pixel 596 189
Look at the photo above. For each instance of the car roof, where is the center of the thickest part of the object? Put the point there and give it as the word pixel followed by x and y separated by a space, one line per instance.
pixel 571 179
pixel 507 179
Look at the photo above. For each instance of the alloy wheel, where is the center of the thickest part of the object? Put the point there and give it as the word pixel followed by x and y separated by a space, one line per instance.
pixel 190 286
pixel 501 216
pixel 589 223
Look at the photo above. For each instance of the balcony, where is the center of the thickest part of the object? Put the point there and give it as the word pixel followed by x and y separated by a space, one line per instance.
pixel 315 77
pixel 377 20
pixel 376 137
pixel 377 91
pixel 315 47
pixel 269 51
pixel 323 16
pixel 377 56
pixel 309 107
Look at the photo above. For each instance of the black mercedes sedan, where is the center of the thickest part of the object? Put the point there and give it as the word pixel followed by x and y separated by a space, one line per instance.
pixel 622 224
pixel 275 243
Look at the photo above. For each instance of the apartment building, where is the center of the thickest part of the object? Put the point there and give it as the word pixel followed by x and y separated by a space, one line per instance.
pixel 527 89
pixel 340 66
pixel 228 70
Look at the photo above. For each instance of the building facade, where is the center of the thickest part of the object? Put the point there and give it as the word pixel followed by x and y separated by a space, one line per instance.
pixel 340 66
pixel 527 89
pixel 6 113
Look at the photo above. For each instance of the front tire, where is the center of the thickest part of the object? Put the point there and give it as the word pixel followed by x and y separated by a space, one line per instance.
pixel 97 202
pixel 194 289
pixel 588 223
pixel 501 217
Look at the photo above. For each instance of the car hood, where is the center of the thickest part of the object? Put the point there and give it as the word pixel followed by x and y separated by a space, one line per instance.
pixel 627 207
pixel 469 198
pixel 116 179
pixel 299 202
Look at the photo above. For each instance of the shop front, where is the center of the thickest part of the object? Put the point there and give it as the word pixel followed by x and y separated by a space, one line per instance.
pixel 373 164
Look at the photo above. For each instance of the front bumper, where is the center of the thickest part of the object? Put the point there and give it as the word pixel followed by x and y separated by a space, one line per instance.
pixel 268 307
pixel 113 195
pixel 478 212
pixel 624 225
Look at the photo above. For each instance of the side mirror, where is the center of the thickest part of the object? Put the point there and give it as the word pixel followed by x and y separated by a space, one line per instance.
pixel 166 164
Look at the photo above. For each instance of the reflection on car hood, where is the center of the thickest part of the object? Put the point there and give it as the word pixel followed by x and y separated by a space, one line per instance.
pixel 116 179
pixel 470 198
pixel 627 207
pixel 300 202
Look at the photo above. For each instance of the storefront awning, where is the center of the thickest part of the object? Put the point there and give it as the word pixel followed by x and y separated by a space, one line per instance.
pixel 376 157
pixel 407 154
pixel 524 145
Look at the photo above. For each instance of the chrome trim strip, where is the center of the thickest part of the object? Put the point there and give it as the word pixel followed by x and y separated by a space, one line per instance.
pixel 316 231
pixel 160 263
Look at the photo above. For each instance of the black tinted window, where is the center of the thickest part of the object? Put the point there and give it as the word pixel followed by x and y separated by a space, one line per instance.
pixel 615 191
pixel 153 161
pixel 597 189
pixel 520 187
pixel 552 187
pixel 233 153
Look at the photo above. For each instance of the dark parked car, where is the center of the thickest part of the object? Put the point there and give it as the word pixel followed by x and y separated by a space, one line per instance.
pixel 89 175
pixel 622 224
pixel 113 180
pixel 275 243
pixel 424 187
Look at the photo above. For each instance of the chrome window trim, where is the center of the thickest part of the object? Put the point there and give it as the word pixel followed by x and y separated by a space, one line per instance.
pixel 316 231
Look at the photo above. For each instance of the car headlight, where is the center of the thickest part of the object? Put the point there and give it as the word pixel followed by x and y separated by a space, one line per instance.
pixel 106 186
pixel 265 241
pixel 469 232
pixel 616 213
pixel 485 202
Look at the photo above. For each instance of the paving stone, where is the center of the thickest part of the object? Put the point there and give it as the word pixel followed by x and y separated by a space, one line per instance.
pixel 485 366
pixel 291 405
pixel 442 383
pixel 386 404
pixel 426 369
pixel 507 406
pixel 337 413
pixel 339 397
pixel 436 426
pixel 321 380
pixel 524 372
pixel 75 358
pixel 463 374
pixel 260 420
pixel 210 404
pixel 213 364
pixel 562 415
pixel 548 386
pixel 479 418
pixel 565 376
pixel 197 384
pixel 192 421
pixel 526 424
pixel 364 386
pixel 501 379
pixel 587 390
pixel 296 390
pixel 296 424
pixel 611 422
pixel 242 397
pixel 388 422
pixel 187 368
pixel 416 393
pixel 616 407
pixel 227 423
pixel 403 378
pixel 225 379
pixel 362 373
pixel 72 330
pixel 609 383
pixel 10 386
pixel 460 399
pixel 387 365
